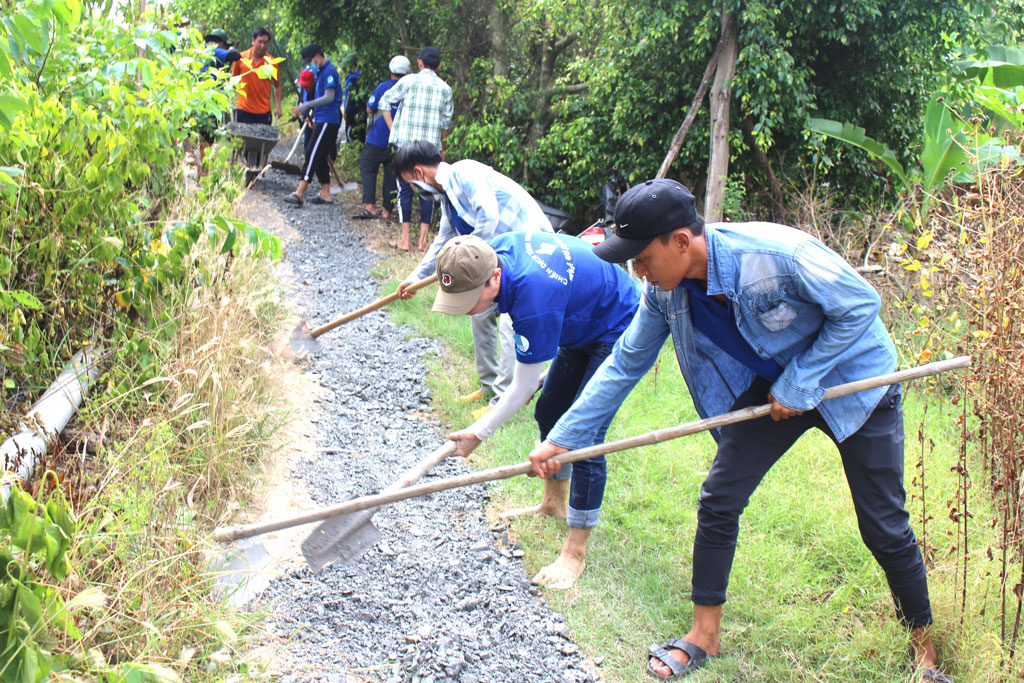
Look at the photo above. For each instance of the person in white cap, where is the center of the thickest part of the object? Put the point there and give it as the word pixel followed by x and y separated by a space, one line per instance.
pixel 376 152
pixel 567 306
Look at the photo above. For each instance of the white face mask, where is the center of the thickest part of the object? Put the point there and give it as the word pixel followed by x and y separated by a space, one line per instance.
pixel 428 190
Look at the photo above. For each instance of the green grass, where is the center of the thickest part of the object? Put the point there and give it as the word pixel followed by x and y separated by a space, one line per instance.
pixel 807 602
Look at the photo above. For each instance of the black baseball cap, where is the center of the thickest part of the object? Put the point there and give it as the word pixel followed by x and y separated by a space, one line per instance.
pixel 431 57
pixel 642 213
pixel 310 51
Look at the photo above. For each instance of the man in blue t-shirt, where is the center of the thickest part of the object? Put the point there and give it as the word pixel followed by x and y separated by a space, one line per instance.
pixel 326 106
pixel 222 55
pixel 567 306
pixel 376 151
pixel 349 106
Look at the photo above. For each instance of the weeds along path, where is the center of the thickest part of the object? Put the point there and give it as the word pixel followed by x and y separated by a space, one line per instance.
pixel 437 599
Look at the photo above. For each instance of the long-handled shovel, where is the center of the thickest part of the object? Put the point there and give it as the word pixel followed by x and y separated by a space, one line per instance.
pixel 303 340
pixel 325 544
pixel 325 554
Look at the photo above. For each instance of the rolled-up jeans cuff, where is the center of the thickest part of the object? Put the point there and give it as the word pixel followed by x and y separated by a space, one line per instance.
pixel 583 519
pixel 564 473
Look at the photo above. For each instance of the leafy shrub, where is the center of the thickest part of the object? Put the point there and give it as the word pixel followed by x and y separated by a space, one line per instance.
pixel 90 158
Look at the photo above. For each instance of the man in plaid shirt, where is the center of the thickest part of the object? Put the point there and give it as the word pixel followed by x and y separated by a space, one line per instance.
pixel 475 200
pixel 425 113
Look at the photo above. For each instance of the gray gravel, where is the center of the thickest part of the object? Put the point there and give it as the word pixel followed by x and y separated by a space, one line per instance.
pixel 254 130
pixel 441 597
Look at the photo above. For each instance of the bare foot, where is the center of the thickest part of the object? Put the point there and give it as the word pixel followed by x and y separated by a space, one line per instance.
pixel 542 509
pixel 562 573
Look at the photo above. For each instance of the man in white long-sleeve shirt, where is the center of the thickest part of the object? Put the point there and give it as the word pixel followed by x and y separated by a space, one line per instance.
pixel 475 200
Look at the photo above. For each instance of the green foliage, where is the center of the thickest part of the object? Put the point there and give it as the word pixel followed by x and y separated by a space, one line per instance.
pixel 34 541
pixel 81 177
pixel 856 136
pixel 957 141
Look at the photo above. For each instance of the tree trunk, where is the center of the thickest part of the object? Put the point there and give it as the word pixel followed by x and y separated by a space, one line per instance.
pixel 778 206
pixel 496 26
pixel 404 35
pixel 546 91
pixel 721 93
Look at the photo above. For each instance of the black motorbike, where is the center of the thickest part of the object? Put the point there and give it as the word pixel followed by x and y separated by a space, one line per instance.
pixel 597 231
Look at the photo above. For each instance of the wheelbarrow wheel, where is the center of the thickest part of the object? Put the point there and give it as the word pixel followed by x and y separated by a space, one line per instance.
pixel 250 175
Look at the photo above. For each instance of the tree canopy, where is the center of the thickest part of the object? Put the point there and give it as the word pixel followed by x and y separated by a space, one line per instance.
pixel 559 94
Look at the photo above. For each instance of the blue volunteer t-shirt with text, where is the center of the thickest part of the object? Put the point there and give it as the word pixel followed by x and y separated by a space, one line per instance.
pixel 379 131
pixel 558 293
pixel 326 78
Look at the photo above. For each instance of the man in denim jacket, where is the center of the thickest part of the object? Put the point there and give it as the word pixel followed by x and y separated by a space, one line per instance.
pixel 758 313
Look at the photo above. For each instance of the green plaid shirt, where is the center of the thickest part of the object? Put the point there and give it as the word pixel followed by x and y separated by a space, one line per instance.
pixel 426 108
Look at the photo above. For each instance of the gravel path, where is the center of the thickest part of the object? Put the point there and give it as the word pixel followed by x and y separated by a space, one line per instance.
pixel 441 597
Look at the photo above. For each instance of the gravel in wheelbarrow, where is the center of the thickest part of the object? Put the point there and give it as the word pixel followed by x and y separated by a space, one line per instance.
pixel 262 131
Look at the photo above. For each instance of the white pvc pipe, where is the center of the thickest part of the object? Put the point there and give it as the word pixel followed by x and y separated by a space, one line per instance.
pixel 48 416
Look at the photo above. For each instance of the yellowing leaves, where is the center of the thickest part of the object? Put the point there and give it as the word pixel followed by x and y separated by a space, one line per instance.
pixel 925 239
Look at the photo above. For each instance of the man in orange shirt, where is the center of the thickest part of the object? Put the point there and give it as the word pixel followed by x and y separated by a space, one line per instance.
pixel 254 92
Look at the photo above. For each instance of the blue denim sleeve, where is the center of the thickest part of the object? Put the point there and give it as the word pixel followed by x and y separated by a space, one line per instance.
pixel 849 305
pixel 632 356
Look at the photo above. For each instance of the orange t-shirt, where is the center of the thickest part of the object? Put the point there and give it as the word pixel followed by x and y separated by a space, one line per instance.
pixel 254 96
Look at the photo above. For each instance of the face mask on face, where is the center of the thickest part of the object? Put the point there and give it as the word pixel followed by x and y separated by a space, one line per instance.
pixel 314 68
pixel 428 190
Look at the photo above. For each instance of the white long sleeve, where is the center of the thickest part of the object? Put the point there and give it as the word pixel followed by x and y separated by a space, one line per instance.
pixel 524 383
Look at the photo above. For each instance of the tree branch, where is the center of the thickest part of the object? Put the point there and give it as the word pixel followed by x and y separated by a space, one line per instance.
pixel 691 116
pixel 564 42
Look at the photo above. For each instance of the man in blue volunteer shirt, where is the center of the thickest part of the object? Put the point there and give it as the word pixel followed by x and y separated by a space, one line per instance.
pixel 376 151
pixel 222 57
pixel 758 314
pixel 221 52
pixel 326 106
pixel 566 306
pixel 475 199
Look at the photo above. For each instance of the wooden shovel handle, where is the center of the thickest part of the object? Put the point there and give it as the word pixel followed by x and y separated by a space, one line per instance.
pixel 379 303
pixel 657 436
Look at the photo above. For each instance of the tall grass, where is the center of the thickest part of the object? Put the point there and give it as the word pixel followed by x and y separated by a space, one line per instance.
pixel 183 450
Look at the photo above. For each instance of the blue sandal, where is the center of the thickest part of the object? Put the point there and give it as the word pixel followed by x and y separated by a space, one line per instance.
pixel 935 675
pixel 698 658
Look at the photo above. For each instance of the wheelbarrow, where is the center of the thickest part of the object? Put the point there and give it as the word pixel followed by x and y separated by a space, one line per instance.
pixel 257 142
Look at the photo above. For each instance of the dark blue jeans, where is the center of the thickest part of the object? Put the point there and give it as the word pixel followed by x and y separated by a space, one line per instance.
pixel 873 461
pixel 405 203
pixel 569 373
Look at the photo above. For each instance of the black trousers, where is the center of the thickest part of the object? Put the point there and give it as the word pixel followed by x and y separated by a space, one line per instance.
pixel 873 461
pixel 371 157
pixel 243 116
pixel 318 152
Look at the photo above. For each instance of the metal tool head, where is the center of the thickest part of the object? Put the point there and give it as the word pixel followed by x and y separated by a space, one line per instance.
pixel 302 340
pixel 341 540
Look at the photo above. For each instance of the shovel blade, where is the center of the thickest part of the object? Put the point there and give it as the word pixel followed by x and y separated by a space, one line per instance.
pixel 340 540
pixel 302 341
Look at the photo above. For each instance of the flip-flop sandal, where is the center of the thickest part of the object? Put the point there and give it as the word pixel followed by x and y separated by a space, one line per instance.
pixel 320 200
pixel 394 245
pixel 364 214
pixel 293 199
pixel 698 658
pixel 935 676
